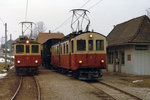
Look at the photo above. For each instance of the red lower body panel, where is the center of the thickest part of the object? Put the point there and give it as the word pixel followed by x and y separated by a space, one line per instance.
pixel 86 61
pixel 27 60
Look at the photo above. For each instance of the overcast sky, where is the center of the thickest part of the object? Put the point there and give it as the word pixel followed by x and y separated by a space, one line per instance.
pixel 104 15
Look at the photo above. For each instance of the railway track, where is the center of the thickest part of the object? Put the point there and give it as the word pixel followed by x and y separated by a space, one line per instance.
pixel 126 93
pixel 115 93
pixel 28 89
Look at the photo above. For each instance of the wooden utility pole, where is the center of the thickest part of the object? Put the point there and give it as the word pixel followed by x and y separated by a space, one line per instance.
pixel 10 54
pixel 5 45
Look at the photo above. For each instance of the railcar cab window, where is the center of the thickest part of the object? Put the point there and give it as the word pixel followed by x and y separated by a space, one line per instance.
pixel 19 48
pixel 90 44
pixel 27 49
pixel 35 49
pixel 99 44
pixel 81 45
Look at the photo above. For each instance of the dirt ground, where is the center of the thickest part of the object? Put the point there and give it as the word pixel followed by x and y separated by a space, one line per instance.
pixel 136 85
pixel 8 85
pixel 56 86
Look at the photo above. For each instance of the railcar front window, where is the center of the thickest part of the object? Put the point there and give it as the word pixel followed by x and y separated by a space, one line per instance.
pixel 99 44
pixel 27 49
pixel 19 48
pixel 81 45
pixel 90 44
pixel 35 49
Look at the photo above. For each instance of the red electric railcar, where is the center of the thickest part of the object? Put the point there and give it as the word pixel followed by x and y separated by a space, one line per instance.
pixel 27 56
pixel 84 54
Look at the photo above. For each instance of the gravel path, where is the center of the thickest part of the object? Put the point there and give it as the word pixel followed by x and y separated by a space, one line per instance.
pixel 8 85
pixel 56 86
pixel 117 80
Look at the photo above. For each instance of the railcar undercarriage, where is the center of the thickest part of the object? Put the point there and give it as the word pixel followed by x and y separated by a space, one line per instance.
pixel 87 74
pixel 27 70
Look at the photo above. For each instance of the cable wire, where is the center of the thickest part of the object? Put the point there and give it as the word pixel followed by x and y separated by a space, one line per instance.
pixel 69 17
pixel 26 11
pixel 95 4
pixel 2 21
pixel 85 3
pixel 80 7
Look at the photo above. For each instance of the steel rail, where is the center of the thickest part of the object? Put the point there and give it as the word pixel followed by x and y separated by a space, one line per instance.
pixel 38 89
pixel 17 89
pixel 131 95
pixel 102 91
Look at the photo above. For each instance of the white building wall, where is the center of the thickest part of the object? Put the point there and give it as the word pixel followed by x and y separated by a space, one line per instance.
pixel 128 66
pixel 139 64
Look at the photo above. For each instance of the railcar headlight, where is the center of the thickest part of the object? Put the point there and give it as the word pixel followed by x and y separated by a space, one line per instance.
pixel 80 61
pixel 102 61
pixel 18 61
pixel 36 61
pixel 90 35
pixel 27 41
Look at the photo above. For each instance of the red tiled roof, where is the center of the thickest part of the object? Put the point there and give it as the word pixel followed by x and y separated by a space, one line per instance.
pixel 43 37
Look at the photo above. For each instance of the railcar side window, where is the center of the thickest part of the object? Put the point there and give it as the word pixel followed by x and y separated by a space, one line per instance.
pixel 35 48
pixel 90 44
pixel 19 48
pixel 99 44
pixel 27 49
pixel 81 45
pixel 66 48
pixel 72 46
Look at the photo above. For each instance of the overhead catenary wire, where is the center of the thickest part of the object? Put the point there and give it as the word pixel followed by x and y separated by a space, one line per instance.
pixel 2 21
pixel 85 3
pixel 80 16
pixel 70 17
pixel 95 4
pixel 26 13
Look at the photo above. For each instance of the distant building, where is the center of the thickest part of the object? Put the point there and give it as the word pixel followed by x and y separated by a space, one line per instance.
pixel 9 46
pixel 43 37
pixel 129 47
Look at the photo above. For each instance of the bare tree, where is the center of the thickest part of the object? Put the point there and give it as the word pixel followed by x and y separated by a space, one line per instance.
pixel 39 27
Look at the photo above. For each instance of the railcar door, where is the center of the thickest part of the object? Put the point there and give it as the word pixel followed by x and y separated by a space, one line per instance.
pixel 27 55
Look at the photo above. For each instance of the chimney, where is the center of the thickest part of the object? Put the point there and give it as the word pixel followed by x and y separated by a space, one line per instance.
pixel 49 31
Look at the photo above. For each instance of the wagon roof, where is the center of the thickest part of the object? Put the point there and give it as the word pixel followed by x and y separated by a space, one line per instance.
pixel 134 31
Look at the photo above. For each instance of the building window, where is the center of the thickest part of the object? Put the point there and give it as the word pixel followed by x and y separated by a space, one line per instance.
pixel 122 57
pixel 81 45
pixel 110 57
pixel 99 44
pixel 90 44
